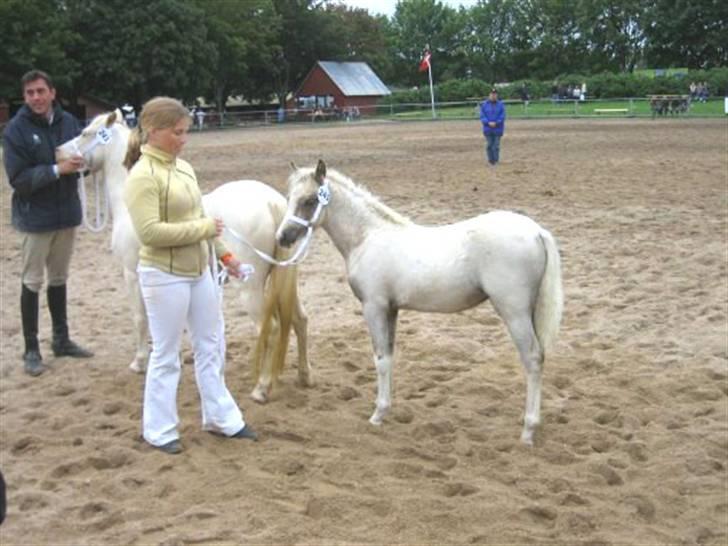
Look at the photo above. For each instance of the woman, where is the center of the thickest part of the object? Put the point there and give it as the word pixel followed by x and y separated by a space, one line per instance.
pixel 165 206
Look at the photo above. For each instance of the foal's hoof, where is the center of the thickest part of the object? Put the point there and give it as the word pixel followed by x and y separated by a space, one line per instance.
pixel 259 395
pixel 527 438
pixel 306 381
pixel 136 367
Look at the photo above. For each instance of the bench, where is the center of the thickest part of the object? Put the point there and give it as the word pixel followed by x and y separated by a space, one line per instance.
pixel 611 110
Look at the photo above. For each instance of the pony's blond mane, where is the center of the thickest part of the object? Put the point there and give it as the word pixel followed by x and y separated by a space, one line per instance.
pixel 371 201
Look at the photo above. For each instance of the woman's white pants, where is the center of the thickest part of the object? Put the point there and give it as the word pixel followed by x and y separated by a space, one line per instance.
pixel 173 302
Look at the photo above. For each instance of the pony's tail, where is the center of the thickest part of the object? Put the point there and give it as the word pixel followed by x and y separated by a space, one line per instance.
pixel 133 148
pixel 550 302
pixel 281 295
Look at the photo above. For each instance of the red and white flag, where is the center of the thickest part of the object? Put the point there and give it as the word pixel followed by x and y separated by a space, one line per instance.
pixel 425 62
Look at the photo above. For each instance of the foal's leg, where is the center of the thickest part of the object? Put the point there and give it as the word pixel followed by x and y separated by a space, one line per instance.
pixel 300 327
pixel 141 328
pixel 382 323
pixel 252 298
pixel 523 334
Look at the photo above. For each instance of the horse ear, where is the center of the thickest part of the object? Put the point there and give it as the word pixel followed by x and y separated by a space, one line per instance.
pixel 293 166
pixel 111 119
pixel 320 171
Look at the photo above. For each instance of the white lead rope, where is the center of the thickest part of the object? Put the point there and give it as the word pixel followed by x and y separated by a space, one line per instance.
pixel 102 208
pixel 103 137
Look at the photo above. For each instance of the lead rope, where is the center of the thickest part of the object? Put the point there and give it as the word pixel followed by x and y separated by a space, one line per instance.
pixel 102 204
pixel 103 137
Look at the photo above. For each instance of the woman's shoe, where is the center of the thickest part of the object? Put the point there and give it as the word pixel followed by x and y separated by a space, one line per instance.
pixel 172 448
pixel 246 433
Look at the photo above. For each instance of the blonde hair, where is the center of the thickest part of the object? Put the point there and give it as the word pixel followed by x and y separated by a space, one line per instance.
pixel 157 113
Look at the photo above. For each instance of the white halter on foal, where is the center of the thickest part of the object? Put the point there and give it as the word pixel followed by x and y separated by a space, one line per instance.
pixel 103 137
pixel 324 197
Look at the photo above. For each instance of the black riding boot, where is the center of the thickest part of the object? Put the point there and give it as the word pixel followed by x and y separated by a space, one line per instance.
pixel 62 344
pixel 33 362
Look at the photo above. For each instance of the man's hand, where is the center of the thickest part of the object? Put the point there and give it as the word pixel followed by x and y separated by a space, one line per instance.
pixel 492 123
pixel 70 165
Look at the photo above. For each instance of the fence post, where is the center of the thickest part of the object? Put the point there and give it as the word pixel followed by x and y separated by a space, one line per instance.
pixel 631 106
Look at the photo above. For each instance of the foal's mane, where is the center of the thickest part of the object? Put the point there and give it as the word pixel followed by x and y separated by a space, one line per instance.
pixel 362 194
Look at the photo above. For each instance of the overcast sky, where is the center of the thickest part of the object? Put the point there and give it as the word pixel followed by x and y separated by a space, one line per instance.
pixel 386 7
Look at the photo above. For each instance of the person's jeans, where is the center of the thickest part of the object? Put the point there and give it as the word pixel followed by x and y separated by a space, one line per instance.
pixel 493 147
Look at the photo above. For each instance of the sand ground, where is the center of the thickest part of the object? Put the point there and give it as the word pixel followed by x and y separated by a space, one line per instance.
pixel 634 444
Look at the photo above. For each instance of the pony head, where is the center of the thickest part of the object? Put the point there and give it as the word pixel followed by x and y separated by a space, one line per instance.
pixel 308 195
pixel 92 139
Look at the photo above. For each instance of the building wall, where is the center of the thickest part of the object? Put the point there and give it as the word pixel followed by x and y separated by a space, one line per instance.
pixel 318 83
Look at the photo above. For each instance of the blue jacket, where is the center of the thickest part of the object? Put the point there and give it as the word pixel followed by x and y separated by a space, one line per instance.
pixel 493 111
pixel 41 202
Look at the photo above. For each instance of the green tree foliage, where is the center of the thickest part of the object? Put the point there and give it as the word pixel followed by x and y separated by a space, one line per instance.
pixel 692 33
pixel 135 49
pixel 420 24
pixel 35 34
pixel 131 50
pixel 243 36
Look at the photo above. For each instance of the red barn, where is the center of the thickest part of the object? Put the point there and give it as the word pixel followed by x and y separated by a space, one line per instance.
pixel 343 87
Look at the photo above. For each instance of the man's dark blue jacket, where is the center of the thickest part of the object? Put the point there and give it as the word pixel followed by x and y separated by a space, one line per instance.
pixel 41 202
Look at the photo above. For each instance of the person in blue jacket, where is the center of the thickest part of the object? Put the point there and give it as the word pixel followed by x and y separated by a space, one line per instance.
pixel 493 118
pixel 46 210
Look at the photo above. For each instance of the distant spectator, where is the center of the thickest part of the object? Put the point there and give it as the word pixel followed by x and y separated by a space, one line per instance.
pixel 582 95
pixel 524 94
pixel 493 118
pixel 129 115
pixel 703 92
pixel 199 118
pixel 693 91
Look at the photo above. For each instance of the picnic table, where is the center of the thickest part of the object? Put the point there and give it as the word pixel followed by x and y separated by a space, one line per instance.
pixel 662 105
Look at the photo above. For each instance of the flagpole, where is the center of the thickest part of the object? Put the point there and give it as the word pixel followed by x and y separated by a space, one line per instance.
pixel 432 92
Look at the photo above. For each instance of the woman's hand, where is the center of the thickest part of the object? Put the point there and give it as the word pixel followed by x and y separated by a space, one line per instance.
pixel 233 267
pixel 219 226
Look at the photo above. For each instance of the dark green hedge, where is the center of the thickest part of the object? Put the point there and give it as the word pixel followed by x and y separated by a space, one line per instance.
pixel 599 86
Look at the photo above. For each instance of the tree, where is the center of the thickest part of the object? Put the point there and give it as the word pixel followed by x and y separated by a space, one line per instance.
pixel 362 37
pixel 305 37
pixel 420 24
pixel 35 35
pixel 614 33
pixel 688 33
pixel 243 36
pixel 136 49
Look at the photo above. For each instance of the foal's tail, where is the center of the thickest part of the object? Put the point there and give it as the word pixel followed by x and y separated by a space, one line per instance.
pixel 550 302
pixel 281 298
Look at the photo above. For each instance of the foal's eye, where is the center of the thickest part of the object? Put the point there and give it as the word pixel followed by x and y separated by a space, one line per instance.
pixel 311 201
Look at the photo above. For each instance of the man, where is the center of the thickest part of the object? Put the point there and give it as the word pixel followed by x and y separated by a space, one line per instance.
pixel 45 209
pixel 493 118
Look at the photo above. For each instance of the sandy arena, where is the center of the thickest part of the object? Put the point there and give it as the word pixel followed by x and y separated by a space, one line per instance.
pixel 634 443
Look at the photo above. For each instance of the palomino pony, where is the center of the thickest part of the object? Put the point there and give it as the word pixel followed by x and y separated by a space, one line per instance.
pixel 394 264
pixel 253 210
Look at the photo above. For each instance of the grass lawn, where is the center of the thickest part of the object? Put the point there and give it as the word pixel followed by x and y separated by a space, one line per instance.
pixel 547 108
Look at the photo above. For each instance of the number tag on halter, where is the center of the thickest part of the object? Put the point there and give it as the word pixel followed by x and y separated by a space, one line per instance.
pixel 103 136
pixel 324 194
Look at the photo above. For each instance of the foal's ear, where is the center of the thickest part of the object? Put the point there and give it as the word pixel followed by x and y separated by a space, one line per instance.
pixel 293 166
pixel 111 119
pixel 320 171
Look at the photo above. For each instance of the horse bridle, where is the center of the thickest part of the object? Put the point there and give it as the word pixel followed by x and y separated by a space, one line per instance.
pixel 324 198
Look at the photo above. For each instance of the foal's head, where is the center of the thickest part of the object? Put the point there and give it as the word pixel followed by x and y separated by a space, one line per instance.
pixel 91 141
pixel 308 195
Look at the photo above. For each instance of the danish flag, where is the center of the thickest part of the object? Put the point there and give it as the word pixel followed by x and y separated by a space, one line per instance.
pixel 425 62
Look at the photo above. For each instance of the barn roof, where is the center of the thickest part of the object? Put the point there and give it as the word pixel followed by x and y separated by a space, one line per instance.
pixel 354 79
